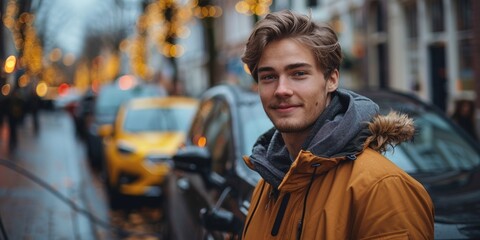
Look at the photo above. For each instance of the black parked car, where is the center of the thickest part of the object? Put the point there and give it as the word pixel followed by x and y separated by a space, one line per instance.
pixel 211 188
pixel 83 113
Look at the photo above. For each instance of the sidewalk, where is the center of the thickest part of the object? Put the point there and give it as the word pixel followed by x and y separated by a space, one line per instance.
pixel 55 156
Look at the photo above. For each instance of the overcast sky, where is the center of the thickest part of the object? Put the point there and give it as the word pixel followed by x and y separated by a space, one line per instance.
pixel 64 23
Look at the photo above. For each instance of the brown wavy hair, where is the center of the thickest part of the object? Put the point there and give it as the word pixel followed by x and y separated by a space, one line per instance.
pixel 318 37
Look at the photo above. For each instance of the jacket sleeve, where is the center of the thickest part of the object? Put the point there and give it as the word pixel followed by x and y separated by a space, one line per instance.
pixel 396 207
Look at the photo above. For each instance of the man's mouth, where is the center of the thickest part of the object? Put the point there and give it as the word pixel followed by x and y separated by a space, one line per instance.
pixel 284 107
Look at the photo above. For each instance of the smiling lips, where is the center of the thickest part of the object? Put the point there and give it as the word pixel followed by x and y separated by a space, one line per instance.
pixel 284 108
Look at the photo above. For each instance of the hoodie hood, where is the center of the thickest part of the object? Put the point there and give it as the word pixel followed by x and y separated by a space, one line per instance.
pixel 346 127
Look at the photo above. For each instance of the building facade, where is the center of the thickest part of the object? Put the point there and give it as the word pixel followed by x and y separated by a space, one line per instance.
pixel 428 47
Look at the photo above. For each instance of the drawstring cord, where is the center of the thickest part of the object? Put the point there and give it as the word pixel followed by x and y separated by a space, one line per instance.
pixel 300 224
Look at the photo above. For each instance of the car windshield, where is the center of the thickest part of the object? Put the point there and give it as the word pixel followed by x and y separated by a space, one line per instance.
pixel 159 119
pixel 111 97
pixel 437 146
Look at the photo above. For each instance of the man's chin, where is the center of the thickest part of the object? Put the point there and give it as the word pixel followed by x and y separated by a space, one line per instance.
pixel 289 128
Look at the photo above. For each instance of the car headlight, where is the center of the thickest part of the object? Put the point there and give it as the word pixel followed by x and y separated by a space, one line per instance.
pixel 124 148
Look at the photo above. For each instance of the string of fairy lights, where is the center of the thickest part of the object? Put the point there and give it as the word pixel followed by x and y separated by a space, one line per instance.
pixel 30 52
pixel 162 24
pixel 253 7
pixel 165 21
pixel 24 38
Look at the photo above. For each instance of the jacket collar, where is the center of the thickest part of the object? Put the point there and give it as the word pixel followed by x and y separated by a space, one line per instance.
pixel 304 166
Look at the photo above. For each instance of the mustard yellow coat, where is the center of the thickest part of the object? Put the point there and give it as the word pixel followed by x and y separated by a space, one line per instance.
pixel 366 198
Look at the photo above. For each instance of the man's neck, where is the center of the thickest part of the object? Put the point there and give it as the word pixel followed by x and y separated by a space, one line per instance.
pixel 294 141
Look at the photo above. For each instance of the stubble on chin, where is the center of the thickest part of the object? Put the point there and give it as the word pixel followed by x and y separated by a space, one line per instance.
pixel 284 126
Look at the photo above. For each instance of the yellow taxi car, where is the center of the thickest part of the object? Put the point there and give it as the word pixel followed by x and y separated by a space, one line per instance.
pixel 139 145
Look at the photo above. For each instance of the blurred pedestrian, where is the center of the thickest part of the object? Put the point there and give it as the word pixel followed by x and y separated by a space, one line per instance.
pixel 464 116
pixel 15 115
pixel 323 176
pixel 33 106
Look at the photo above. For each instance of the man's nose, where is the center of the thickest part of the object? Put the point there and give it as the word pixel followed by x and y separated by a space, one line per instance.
pixel 283 87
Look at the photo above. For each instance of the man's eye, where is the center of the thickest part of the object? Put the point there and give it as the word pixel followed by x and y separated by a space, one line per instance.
pixel 299 73
pixel 267 77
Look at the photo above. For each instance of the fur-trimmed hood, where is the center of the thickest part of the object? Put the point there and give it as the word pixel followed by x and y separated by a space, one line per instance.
pixel 389 130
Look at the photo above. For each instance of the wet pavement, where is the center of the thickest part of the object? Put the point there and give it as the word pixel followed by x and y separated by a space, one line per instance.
pixel 46 188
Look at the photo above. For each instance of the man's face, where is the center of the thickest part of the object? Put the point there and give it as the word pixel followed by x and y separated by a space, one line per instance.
pixel 292 88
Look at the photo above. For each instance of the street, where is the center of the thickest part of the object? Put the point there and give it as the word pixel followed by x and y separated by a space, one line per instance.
pixel 48 191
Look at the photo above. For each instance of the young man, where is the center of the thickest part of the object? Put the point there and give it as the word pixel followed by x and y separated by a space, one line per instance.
pixel 322 174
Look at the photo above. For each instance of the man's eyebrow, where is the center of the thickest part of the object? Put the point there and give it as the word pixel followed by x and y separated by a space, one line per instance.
pixel 265 69
pixel 288 67
pixel 297 65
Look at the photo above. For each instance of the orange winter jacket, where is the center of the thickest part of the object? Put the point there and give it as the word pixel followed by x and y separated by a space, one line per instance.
pixel 355 193
pixel 368 198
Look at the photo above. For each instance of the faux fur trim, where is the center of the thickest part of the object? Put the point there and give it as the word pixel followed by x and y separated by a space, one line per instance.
pixel 390 130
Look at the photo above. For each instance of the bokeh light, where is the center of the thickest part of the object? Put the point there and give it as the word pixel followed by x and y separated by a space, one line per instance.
pixel 41 89
pixel 6 89
pixel 10 64
pixel 63 89
pixel 126 82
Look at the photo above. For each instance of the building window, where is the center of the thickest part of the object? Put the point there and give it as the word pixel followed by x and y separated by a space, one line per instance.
pixel 437 22
pixel 464 14
pixel 411 25
pixel 312 3
pixel 379 16
pixel 411 19
pixel 466 67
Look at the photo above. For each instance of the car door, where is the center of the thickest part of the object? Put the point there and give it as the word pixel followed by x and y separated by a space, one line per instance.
pixel 189 193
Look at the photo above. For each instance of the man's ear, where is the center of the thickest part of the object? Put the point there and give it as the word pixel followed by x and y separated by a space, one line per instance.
pixel 332 81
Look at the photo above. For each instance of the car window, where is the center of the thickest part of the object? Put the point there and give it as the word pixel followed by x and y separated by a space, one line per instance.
pixel 158 119
pixel 219 137
pixel 196 133
pixel 211 128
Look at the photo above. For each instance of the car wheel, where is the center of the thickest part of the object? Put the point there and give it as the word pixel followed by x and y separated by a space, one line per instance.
pixel 166 223
pixel 115 198
pixel 167 208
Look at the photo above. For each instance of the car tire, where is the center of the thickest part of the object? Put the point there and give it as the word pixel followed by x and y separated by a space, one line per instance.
pixel 115 199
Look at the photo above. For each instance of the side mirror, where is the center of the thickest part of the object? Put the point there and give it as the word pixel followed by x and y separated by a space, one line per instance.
pixel 220 220
pixel 192 159
pixel 105 130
